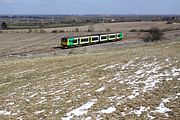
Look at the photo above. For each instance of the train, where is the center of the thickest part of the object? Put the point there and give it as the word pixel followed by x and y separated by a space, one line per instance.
pixel 75 41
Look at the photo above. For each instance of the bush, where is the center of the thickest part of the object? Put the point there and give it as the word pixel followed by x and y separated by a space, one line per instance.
pixel 108 30
pixel 54 31
pixel 155 34
pixel 4 26
pixel 89 30
pixel 77 30
pixel 144 30
pixel 134 30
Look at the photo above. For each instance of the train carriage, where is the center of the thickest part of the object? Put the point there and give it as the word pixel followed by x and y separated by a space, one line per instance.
pixel 90 39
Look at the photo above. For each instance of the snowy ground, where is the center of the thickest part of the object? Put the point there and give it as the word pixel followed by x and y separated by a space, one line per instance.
pixel 132 83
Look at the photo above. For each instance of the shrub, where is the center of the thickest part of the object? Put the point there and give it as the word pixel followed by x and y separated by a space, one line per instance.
pixel 77 30
pixel 155 34
pixel 4 26
pixel 89 30
pixel 144 30
pixel 54 31
pixel 108 30
pixel 134 30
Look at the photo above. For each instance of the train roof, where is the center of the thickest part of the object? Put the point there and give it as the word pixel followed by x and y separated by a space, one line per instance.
pixel 90 35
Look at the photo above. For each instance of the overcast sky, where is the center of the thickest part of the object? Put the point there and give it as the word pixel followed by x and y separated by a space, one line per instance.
pixel 90 7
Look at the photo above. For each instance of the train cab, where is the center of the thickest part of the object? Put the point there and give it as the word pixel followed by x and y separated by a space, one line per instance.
pixel 64 42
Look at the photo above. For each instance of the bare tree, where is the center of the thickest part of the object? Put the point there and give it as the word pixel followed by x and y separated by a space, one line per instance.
pixel 4 26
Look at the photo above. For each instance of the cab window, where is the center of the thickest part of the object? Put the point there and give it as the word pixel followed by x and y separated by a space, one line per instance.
pixel 64 39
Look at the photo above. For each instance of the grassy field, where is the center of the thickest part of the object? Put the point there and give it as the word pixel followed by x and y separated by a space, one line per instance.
pixel 114 27
pixel 20 42
pixel 125 83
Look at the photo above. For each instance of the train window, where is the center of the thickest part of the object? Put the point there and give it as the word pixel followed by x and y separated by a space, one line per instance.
pixel 75 41
pixel 112 36
pixel 103 37
pixel 118 35
pixel 95 38
pixel 84 40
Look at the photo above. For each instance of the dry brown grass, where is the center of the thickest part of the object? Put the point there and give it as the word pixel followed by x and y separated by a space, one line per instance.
pixel 21 42
pixel 49 88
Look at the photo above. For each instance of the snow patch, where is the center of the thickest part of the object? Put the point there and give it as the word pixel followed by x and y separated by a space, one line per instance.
pixel 134 94
pixel 108 110
pixel 21 87
pixel 88 118
pixel 162 109
pixel 150 83
pixel 175 71
pixel 38 112
pixel 166 100
pixel 79 111
pixel 139 111
pixel 131 97
pixel 100 89
pixel 150 117
pixel 139 72
pixel 167 59
pixel 110 67
pixel 5 112
pixel 5 84
pixel 169 79
pixel 102 78
pixel 33 95
pixel 87 83
pixel 126 65
pixel 11 103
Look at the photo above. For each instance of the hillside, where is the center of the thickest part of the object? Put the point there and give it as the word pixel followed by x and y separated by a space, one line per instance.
pixel 23 44
pixel 122 83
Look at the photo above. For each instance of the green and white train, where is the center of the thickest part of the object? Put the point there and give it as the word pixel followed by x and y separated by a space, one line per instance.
pixel 67 42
